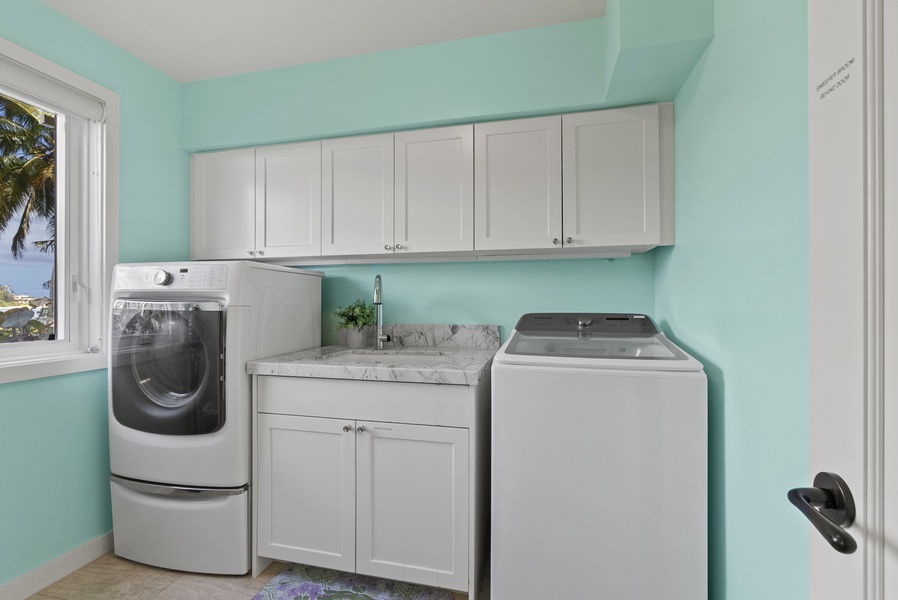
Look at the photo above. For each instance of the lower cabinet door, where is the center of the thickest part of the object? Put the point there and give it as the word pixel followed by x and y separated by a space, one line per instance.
pixel 412 514
pixel 306 494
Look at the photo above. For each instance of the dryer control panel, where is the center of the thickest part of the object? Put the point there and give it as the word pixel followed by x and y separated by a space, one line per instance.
pixel 168 276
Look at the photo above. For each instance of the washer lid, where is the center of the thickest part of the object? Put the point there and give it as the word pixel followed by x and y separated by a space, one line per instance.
pixel 572 324
pixel 598 340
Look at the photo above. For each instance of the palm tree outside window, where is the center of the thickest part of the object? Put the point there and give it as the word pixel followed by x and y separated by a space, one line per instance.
pixel 28 201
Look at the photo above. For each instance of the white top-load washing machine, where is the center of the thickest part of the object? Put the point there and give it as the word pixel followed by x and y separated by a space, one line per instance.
pixel 180 410
pixel 599 462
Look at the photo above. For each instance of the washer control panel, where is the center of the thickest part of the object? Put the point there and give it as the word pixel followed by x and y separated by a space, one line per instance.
pixel 577 324
pixel 174 277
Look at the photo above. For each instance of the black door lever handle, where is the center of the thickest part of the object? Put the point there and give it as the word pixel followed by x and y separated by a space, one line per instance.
pixel 829 506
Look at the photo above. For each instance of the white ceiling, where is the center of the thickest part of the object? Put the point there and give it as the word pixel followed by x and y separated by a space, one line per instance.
pixel 198 39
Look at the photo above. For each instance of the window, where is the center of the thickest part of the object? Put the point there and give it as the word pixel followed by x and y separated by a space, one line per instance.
pixel 58 208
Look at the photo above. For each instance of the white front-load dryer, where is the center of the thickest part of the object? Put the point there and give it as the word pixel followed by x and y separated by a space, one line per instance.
pixel 180 410
pixel 599 462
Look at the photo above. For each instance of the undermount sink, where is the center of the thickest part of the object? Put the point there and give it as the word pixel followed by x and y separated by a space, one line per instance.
pixel 388 357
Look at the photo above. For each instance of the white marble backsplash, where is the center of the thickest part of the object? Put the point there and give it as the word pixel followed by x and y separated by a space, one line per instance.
pixel 472 337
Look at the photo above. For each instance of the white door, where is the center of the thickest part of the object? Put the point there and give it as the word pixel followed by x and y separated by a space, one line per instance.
pixel 612 178
pixel 517 184
pixel 357 195
pixel 222 199
pixel 413 503
pixel 306 490
pixel 434 209
pixel 288 200
pixel 853 278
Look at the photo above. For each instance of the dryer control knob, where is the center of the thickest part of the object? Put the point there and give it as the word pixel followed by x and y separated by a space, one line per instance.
pixel 162 277
pixel 584 321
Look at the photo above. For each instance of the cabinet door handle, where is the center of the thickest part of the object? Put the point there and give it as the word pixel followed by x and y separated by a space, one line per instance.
pixel 570 240
pixel 249 252
pixel 399 246
pixel 387 247
pixel 361 429
pixel 347 428
pixel 260 253
pixel 556 241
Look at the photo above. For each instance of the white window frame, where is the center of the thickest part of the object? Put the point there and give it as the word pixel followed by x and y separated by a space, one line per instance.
pixel 87 247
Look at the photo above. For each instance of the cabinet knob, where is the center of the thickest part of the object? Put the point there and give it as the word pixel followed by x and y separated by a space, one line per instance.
pixel 556 241
pixel 260 253
pixel 361 429
pixel 570 240
pixel 347 428
pixel 249 252
pixel 399 246
pixel 388 247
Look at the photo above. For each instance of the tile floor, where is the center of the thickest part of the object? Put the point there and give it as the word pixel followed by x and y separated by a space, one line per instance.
pixel 113 578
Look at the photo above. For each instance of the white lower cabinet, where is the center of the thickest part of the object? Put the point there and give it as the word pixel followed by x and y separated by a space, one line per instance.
pixel 412 503
pixel 306 486
pixel 377 497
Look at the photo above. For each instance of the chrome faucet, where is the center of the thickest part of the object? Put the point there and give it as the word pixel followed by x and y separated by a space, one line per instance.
pixel 379 315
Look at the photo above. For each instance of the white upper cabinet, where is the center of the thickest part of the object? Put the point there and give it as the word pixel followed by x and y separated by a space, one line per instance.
pixel 615 195
pixel 612 179
pixel 357 195
pixel 222 207
pixel 517 184
pixel 288 200
pixel 257 203
pixel 434 202
pixel 590 184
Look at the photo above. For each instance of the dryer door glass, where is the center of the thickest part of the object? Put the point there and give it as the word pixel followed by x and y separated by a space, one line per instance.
pixel 167 366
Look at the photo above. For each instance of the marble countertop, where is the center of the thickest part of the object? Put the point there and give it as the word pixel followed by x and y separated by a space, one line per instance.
pixel 437 354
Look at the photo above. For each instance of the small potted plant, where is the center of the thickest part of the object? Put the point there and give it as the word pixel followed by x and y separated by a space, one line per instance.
pixel 356 319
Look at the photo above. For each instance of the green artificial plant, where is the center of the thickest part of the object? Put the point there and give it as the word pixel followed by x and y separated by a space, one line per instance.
pixel 355 316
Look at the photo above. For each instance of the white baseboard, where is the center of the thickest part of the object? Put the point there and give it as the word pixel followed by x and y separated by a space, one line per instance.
pixel 49 573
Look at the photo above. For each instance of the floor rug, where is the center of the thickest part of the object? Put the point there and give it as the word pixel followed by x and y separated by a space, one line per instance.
pixel 300 582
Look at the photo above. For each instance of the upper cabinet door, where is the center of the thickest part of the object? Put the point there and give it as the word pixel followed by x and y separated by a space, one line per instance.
pixel 434 209
pixel 357 195
pixel 288 200
pixel 517 184
pixel 612 178
pixel 222 204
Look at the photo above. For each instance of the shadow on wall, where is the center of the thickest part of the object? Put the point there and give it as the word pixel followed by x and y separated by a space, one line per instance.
pixel 716 470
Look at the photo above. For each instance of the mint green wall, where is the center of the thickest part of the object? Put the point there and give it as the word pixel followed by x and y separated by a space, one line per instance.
pixel 54 494
pixel 734 289
pixel 55 469
pixel 492 292
pixel 548 69
pixel 651 47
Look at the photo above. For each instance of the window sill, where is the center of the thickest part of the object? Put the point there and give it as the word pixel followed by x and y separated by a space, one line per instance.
pixel 50 366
